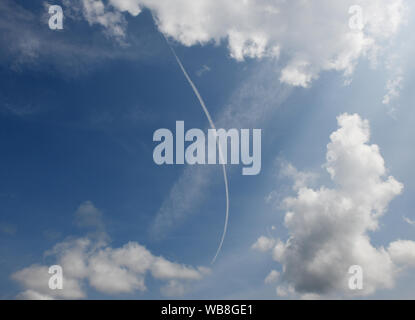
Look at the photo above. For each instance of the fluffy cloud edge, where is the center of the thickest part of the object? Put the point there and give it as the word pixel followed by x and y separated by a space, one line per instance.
pixel 257 29
pixel 90 262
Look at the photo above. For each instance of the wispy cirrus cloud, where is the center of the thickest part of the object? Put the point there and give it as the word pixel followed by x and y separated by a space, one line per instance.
pixel 28 43
pixel 250 105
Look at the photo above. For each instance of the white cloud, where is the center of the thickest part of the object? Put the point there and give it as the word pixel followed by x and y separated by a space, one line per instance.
pixel 272 277
pixel 264 244
pixel 329 227
pixel 203 70
pixel 35 280
pixel 311 36
pixel 393 88
pixel 173 289
pixel 33 295
pixel 409 221
pixel 109 276
pixel 90 260
pixel 284 291
pixel 301 179
pixel 396 61
pixel 403 252
pixel 125 5
pixel 164 269
pixel 95 12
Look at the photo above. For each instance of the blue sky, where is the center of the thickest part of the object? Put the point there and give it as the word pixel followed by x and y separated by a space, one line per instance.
pixel 78 109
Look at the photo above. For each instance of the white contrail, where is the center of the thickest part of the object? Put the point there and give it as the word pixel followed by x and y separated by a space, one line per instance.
pixel 212 125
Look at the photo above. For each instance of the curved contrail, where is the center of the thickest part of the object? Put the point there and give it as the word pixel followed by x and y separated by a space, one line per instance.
pixel 212 125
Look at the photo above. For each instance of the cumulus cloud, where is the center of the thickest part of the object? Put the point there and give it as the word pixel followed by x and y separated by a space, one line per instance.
pixel 310 36
pixel 184 197
pixel 403 252
pixel 33 295
pixel 27 42
pixel 263 244
pixel 300 39
pixel 92 262
pixel 409 221
pixel 95 12
pixel 251 105
pixel 35 280
pixel 395 66
pixel 329 227
pixel 306 37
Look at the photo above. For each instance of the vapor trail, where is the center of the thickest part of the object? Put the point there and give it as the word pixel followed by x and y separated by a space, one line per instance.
pixel 212 125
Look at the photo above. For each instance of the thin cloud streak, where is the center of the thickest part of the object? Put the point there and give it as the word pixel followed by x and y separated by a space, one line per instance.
pixel 212 125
